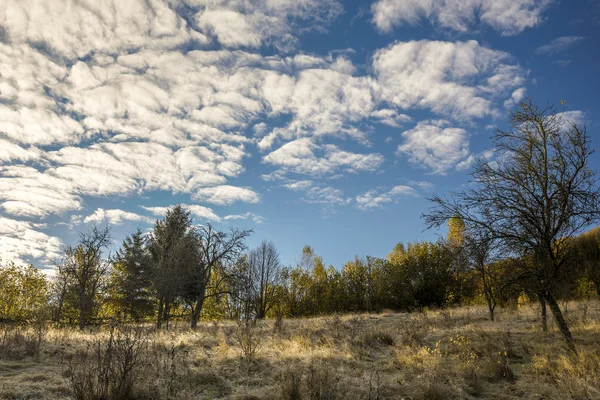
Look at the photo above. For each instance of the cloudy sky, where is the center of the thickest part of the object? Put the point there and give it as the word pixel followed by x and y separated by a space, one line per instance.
pixel 318 122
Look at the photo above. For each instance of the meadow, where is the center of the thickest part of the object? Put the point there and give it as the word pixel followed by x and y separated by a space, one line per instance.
pixel 456 353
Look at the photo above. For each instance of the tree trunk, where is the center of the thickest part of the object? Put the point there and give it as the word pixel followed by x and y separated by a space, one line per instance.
pixel 160 311
pixel 489 297
pixel 82 311
pixel 491 305
pixel 561 322
pixel 81 321
pixel 197 311
pixel 542 299
pixel 166 313
pixel 58 314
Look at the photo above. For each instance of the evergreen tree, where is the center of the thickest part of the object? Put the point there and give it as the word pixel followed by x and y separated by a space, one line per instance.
pixel 130 278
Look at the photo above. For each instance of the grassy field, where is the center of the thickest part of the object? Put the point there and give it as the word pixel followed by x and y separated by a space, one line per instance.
pixel 452 354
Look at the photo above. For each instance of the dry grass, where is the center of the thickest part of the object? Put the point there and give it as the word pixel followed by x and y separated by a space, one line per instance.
pixel 454 354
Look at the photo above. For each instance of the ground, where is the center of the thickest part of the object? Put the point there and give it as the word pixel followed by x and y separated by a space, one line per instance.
pixel 449 354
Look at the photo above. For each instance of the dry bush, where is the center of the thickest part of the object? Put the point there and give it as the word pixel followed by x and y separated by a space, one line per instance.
pixel 318 381
pixel 413 333
pixel 495 352
pixel 168 366
pixel 108 370
pixel 336 326
pixel 322 382
pixel 474 358
pixel 249 339
pixel 17 343
pixel 377 338
pixel 575 376
pixel 420 360
pixel 447 318
pixel 374 386
pixel 434 390
pixel 279 324
pixel 291 384
pixel 355 326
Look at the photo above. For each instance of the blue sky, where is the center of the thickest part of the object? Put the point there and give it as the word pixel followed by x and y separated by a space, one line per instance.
pixel 318 122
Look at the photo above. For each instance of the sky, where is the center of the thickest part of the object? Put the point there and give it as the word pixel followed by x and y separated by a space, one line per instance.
pixel 319 122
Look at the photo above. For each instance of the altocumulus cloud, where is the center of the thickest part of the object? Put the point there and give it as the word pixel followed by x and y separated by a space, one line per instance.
pixel 115 217
pixel 107 99
pixel 509 17
pixel 377 199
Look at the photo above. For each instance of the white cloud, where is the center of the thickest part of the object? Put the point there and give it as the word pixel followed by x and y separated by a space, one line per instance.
pixel 509 17
pixel 325 195
pixel 104 98
pixel 568 118
pixel 424 185
pixel 231 28
pixel 390 117
pixel 113 27
pixel 315 193
pixel 376 199
pixel 459 79
pixel 236 23
pixel 515 98
pixel 559 45
pixel 20 240
pixel 13 152
pixel 196 210
pixel 116 217
pixel 121 168
pixel 254 217
pixel 298 185
pixel 24 191
pixel 302 156
pixel 225 195
pixel 323 102
pixel 77 30
pixel 430 145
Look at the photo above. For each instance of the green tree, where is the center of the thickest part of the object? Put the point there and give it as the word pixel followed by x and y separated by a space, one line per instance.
pixel 588 247
pixel 172 247
pixel 356 278
pixel 318 290
pixel 429 272
pixel 130 282
pixel 23 292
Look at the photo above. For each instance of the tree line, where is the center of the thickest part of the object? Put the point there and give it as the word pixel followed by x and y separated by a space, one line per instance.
pixel 514 231
pixel 194 273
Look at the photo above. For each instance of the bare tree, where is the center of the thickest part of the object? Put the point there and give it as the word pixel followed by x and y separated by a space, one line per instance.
pixel 479 251
pixel 84 268
pixel 213 249
pixel 264 270
pixel 535 193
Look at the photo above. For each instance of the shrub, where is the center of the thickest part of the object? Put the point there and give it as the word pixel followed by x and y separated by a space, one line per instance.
pixel 377 338
pixel 291 384
pixel 321 382
pixel 108 370
pixel 278 325
pixel 17 343
pixel 249 339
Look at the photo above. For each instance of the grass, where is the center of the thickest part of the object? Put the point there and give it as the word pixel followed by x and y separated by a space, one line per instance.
pixel 454 354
